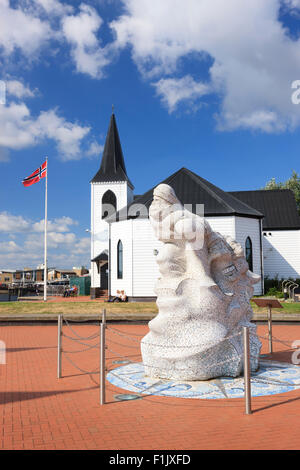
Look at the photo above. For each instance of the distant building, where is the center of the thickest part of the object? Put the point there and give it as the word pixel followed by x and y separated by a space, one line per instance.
pixel 59 274
pixel 80 271
pixel 28 276
pixel 6 276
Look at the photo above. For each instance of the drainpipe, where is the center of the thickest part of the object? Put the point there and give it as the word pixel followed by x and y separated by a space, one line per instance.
pixel 109 260
pixel 261 258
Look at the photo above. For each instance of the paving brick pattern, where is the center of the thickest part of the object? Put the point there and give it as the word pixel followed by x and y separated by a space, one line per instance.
pixel 39 411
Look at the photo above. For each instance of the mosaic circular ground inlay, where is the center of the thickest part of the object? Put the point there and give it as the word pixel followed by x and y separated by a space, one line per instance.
pixel 271 378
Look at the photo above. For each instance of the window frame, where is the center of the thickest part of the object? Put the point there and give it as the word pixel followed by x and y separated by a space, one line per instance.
pixel 120 257
pixel 249 253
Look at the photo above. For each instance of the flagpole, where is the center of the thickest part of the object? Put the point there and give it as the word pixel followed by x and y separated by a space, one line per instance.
pixel 45 235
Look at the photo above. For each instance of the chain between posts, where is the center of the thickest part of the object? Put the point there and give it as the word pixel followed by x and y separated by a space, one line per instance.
pixel 61 351
pixel 102 369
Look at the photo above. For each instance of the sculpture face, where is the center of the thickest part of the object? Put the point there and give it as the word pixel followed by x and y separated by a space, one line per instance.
pixel 203 298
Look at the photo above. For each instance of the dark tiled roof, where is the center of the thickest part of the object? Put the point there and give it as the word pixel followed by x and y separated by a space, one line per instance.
pixel 277 205
pixel 112 164
pixel 192 189
pixel 102 257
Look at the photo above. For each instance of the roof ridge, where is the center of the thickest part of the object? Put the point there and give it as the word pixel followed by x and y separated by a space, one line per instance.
pixel 260 190
pixel 195 176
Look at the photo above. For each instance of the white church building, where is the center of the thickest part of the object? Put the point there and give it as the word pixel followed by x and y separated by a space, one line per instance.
pixel 123 246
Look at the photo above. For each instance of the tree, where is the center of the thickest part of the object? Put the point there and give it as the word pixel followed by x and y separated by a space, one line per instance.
pixel 293 183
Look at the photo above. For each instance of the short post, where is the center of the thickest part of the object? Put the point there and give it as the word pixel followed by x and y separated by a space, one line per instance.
pixel 102 357
pixel 247 370
pixel 59 335
pixel 270 328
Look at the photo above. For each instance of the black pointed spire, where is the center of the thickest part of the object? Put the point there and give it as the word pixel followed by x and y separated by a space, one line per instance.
pixel 112 165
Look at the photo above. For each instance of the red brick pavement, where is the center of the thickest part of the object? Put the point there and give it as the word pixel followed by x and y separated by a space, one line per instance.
pixel 39 411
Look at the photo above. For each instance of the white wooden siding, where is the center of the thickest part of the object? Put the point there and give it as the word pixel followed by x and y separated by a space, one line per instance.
pixel 223 225
pixel 282 253
pixel 121 231
pixel 145 268
pixel 246 227
pixel 99 228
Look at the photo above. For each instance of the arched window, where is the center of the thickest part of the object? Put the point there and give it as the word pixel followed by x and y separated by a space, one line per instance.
pixel 249 253
pixel 120 259
pixel 109 204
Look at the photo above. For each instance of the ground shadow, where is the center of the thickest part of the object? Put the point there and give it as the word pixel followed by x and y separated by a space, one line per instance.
pixel 13 397
pixel 272 405
pixel 29 349
pixel 280 356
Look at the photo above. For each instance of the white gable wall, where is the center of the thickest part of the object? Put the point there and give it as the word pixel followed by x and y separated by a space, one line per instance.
pixel 282 253
pixel 99 228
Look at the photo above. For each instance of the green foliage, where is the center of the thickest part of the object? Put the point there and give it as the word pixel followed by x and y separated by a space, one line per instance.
pixel 275 285
pixel 293 183
pixel 273 292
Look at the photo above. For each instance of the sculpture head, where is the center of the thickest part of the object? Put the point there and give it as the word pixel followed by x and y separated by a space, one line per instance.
pixel 164 202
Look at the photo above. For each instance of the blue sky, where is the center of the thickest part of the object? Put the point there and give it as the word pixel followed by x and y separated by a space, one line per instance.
pixel 193 83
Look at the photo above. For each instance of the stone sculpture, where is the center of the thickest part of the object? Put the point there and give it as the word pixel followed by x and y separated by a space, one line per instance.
pixel 203 296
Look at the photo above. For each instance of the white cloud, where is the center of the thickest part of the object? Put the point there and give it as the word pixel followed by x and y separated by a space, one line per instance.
pixel 54 7
pixel 18 89
pixel 16 223
pixel 67 135
pixel 13 223
pixel 27 26
pixel 176 90
pixel 83 246
pixel 61 224
pixel 9 246
pixel 80 31
pixel 292 3
pixel 19 130
pixel 21 30
pixel 253 61
pixel 25 246
pixel 94 149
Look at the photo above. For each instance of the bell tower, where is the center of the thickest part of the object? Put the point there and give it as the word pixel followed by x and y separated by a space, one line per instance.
pixel 111 190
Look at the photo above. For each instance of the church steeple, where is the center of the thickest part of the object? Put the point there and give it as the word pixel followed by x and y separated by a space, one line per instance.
pixel 112 165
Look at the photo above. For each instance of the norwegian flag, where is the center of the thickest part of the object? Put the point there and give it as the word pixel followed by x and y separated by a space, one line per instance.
pixel 36 175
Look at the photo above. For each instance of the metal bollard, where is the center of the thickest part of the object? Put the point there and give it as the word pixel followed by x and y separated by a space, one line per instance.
pixel 270 329
pixel 247 370
pixel 102 357
pixel 59 334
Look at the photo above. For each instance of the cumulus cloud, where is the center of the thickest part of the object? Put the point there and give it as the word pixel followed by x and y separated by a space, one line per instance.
pixel 61 224
pixel 9 246
pixel 252 59
pixel 13 223
pixel 22 242
pixel 21 30
pixel 175 90
pixel 18 129
pixel 80 31
pixel 16 223
pixel 94 149
pixel 28 26
pixel 18 89
pixel 67 135
pixel 53 7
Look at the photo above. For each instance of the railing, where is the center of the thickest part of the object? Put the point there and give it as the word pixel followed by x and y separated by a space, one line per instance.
pixel 104 344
